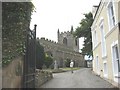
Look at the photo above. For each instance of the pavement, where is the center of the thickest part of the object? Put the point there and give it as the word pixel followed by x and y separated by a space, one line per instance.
pixel 82 78
pixel 0 78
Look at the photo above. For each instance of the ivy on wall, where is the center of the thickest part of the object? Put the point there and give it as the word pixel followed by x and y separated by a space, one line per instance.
pixel 16 18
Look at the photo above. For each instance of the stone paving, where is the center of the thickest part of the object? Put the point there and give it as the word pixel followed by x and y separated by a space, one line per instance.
pixel 82 78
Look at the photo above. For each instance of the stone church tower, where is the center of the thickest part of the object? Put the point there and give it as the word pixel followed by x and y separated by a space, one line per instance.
pixel 67 39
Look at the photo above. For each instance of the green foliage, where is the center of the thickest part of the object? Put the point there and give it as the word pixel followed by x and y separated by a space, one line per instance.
pixel 40 56
pixel 48 60
pixel 67 63
pixel 84 30
pixel 16 18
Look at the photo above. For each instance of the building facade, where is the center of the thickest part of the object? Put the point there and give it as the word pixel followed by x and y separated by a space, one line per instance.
pixel 67 48
pixel 106 40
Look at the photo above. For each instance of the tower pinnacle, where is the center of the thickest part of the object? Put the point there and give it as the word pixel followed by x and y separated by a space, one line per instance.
pixel 71 29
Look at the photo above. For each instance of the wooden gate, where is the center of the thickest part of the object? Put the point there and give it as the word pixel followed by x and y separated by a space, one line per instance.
pixel 30 60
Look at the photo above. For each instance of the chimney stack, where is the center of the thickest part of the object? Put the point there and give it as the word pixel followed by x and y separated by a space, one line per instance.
pixel 94 9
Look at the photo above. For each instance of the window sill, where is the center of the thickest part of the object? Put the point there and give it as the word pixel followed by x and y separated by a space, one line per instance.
pixel 111 30
pixel 105 75
pixel 117 76
pixel 96 45
pixel 104 61
pixel 104 57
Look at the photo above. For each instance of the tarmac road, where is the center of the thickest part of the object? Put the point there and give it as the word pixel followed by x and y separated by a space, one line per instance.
pixel 82 78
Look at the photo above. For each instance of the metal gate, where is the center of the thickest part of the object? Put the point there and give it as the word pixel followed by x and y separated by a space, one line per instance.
pixel 30 60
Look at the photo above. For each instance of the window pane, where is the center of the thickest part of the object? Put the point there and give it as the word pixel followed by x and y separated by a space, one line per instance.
pixel 116 52
pixel 118 65
pixel 103 41
pixel 105 68
pixel 112 13
pixel 117 56
pixel 113 20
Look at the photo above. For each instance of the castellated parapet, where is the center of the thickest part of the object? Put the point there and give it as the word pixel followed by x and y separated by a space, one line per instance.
pixel 47 40
pixel 53 44
pixel 68 32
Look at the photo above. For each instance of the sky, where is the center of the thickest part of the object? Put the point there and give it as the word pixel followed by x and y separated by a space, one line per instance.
pixel 53 14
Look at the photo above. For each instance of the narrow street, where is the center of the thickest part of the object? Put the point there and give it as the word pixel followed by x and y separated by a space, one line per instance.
pixel 82 78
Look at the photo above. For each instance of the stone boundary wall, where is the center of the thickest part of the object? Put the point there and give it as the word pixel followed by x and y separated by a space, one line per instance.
pixel 12 74
pixel 42 77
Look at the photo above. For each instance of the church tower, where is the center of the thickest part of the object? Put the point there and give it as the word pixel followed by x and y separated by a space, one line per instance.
pixel 67 39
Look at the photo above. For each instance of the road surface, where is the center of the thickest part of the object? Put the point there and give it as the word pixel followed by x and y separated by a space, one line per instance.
pixel 82 78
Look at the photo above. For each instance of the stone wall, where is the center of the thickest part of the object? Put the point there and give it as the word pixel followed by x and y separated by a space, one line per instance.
pixel 42 77
pixel 12 74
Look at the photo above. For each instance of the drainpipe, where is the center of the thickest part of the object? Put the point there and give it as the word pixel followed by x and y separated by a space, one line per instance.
pixel 119 41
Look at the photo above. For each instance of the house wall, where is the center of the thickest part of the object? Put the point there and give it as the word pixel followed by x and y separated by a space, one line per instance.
pixel 111 35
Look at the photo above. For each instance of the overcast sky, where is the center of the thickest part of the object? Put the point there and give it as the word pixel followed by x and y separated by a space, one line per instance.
pixel 53 14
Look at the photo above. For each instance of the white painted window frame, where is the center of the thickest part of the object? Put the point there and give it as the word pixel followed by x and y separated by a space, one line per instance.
pixel 110 28
pixel 114 75
pixel 94 37
pixel 104 54
pixel 105 74
pixel 97 65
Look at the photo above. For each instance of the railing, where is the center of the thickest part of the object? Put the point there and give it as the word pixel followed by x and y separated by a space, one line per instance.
pixel 30 60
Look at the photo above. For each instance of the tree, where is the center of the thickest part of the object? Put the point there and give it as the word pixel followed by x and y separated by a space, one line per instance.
pixel 16 18
pixel 67 62
pixel 40 55
pixel 84 30
pixel 48 60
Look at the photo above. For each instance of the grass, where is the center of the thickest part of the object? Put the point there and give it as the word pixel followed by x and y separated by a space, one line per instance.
pixel 69 69
pixel 60 70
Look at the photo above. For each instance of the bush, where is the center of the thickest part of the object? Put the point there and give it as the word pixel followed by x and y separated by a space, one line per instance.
pixel 48 60
pixel 67 63
pixel 40 56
